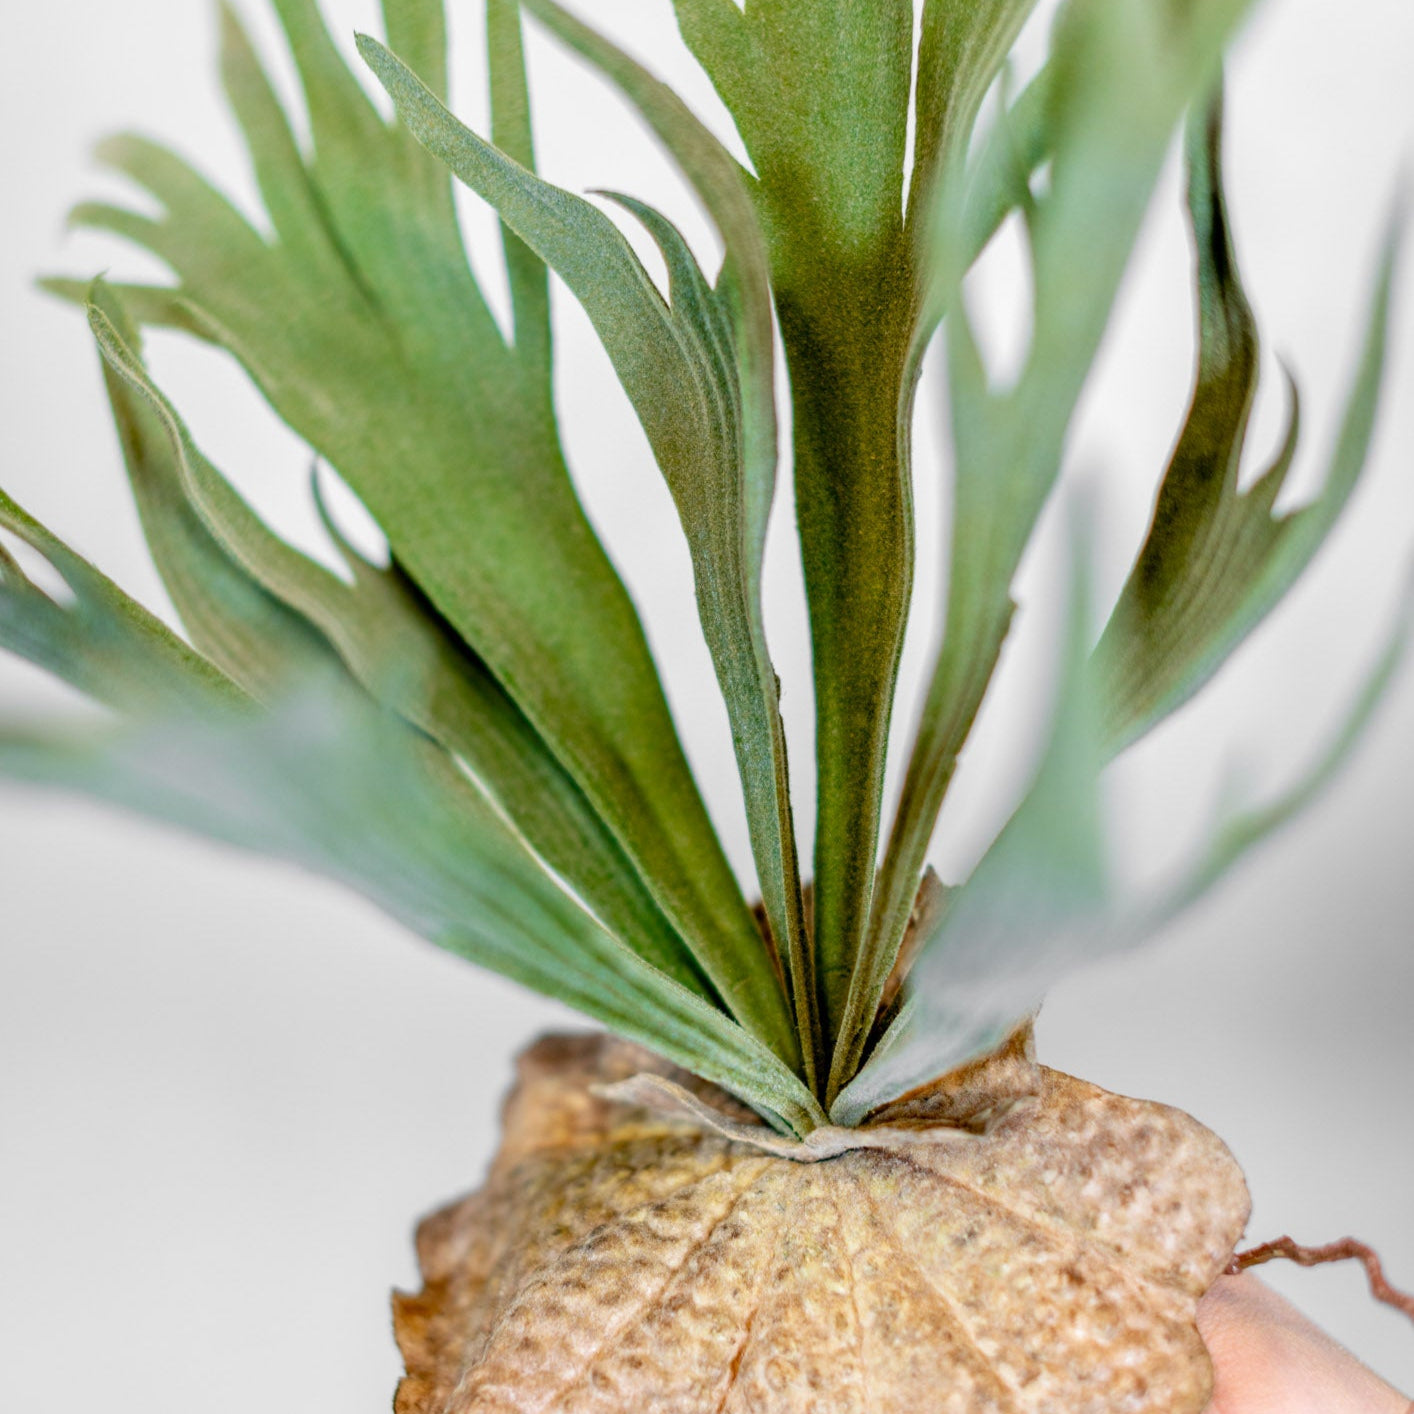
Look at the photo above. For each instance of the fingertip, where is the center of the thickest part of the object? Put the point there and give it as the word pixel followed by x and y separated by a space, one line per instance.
pixel 1270 1359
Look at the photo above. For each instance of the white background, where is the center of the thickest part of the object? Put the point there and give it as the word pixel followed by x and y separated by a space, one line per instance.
pixel 226 1089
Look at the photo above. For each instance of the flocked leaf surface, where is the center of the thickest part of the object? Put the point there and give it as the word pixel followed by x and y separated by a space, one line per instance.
pixel 511 131
pixel 1044 900
pixel 323 776
pixel 724 492
pixel 1219 557
pixel 615 1260
pixel 678 363
pixel 233 620
pixel 491 690
pixel 330 781
pixel 268 615
pixel 362 324
pixel 1121 75
pixel 1215 562
pixel 103 642
pixel 962 47
pixel 1042 889
pixel 829 157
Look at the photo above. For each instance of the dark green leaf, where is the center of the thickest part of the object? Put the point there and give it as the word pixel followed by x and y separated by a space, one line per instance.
pixel 1217 559
pixel 829 155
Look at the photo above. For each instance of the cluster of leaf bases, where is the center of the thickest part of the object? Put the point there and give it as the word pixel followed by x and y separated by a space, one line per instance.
pixel 474 735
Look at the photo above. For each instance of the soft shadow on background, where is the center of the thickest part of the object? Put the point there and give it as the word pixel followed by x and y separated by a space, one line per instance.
pixel 226 1090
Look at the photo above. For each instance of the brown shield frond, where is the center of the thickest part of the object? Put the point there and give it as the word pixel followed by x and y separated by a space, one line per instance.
pixel 1048 1261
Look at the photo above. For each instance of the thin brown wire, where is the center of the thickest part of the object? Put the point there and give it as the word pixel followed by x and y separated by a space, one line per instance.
pixel 1347 1247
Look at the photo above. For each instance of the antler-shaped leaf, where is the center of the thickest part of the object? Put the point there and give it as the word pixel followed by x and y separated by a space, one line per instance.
pixel 829 157
pixel 724 500
pixel 676 363
pixel 1217 559
pixel 1215 562
pixel 1120 76
pixel 361 321
pixel 322 775
pixel 1043 879
pixel 962 48
pixel 103 643
pixel 267 614
pixel 1043 901
pixel 330 781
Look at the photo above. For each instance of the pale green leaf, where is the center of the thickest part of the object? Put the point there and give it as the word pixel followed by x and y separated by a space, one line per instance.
pixel 1039 895
pixel 474 736
pixel 331 782
pixel 511 132
pixel 960 216
pixel 231 618
pixel 1121 75
pixel 724 500
pixel 962 47
pixel 417 29
pixel 266 612
pixel 103 643
pixel 361 322
pixel 1239 830
pixel 677 364
pixel 1043 903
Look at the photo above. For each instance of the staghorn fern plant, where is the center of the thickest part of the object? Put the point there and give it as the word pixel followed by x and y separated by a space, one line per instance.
pixel 474 735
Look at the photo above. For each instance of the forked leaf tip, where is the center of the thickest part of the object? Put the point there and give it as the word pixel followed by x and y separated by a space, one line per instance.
pixel 64 287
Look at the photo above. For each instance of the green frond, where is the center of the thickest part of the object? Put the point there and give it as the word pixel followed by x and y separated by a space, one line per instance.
pixel 962 48
pixel 475 736
pixel 829 156
pixel 724 501
pixel 329 781
pixel 1121 78
pixel 326 775
pixel 1043 902
pixel 267 614
pixel 1043 885
pixel 1218 558
pixel 678 364
pixel 103 643
pixel 363 325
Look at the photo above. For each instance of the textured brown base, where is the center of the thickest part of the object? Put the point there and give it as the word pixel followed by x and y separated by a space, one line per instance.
pixel 619 1261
